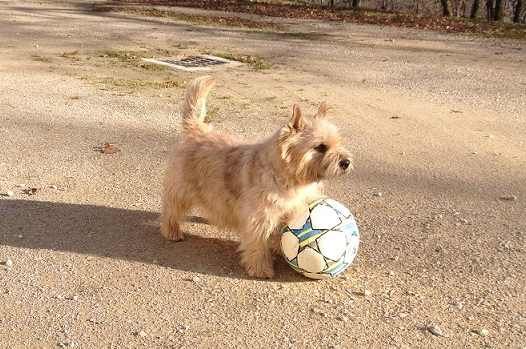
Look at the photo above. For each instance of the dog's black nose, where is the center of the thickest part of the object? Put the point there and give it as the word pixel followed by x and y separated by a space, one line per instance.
pixel 344 164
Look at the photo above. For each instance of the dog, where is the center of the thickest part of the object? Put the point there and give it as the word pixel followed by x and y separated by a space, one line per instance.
pixel 251 188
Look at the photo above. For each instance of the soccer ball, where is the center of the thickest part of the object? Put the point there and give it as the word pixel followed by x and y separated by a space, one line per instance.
pixel 322 241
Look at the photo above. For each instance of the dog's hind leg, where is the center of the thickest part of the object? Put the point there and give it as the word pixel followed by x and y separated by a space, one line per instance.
pixel 174 207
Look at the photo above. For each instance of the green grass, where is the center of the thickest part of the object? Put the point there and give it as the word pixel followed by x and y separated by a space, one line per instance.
pixel 255 62
pixel 135 58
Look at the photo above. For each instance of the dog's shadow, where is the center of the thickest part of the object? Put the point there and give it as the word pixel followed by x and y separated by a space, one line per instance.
pixel 119 233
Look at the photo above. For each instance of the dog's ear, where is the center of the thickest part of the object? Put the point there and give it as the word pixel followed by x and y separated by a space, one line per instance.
pixel 297 122
pixel 322 111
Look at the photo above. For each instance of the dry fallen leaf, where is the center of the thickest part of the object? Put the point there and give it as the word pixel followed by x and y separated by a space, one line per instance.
pixel 30 191
pixel 108 148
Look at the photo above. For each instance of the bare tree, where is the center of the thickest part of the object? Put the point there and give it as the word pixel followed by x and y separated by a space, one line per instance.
pixel 517 11
pixel 445 8
pixel 474 9
pixel 499 10
pixel 489 10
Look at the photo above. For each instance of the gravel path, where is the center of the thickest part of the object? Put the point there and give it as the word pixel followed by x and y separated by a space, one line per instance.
pixel 437 123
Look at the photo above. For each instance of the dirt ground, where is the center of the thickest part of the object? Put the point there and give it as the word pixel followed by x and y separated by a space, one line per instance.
pixel 437 124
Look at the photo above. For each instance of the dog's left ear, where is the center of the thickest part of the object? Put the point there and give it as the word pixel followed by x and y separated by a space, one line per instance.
pixel 297 122
pixel 322 111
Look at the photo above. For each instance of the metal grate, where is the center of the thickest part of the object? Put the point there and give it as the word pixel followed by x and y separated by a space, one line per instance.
pixel 191 63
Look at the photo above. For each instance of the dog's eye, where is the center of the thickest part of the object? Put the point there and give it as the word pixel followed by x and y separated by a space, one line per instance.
pixel 322 148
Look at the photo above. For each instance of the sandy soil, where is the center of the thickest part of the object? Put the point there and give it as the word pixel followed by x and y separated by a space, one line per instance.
pixel 437 124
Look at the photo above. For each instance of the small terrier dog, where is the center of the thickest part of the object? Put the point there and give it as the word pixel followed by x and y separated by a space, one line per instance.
pixel 251 188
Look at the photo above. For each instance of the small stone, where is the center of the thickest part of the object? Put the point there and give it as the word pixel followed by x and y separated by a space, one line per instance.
pixel 319 312
pixel 54 187
pixel 20 236
pixel 8 263
pixel 507 245
pixel 182 328
pixel 483 332
pixel 391 273
pixel 435 330
pixel 342 318
pixel 73 298
pixel 8 193
pixel 67 344
pixel 378 194
pixel 140 334
pixel 458 305
pixel 365 293
pixel 508 198
pixel 196 279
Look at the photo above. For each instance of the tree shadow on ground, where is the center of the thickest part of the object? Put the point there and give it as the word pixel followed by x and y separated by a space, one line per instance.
pixel 119 233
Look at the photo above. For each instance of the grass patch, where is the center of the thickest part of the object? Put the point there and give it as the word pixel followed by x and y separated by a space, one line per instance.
pixel 42 59
pixel 255 62
pixel 134 58
pixel 134 84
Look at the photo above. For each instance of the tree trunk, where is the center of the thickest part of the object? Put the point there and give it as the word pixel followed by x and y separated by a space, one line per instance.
pixel 517 11
pixel 499 10
pixel 445 8
pixel 474 9
pixel 356 4
pixel 489 10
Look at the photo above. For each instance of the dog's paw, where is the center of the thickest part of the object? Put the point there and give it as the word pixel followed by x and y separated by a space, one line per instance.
pixel 173 233
pixel 261 270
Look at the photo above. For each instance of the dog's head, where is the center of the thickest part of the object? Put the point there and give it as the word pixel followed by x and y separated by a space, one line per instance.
pixel 312 147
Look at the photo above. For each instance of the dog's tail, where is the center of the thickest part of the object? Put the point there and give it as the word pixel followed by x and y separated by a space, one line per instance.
pixel 193 109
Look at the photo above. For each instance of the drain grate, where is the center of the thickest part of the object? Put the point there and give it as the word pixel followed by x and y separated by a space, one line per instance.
pixel 192 63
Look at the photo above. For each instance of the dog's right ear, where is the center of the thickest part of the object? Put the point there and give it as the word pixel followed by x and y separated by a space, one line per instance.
pixel 297 122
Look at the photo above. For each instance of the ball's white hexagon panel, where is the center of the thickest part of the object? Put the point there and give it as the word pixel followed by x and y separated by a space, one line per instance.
pixel 332 244
pixel 324 217
pixel 339 207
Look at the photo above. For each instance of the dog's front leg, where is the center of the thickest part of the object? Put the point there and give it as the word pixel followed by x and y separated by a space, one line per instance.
pixel 256 255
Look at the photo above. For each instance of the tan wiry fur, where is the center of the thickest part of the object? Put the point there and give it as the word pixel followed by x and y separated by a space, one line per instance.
pixel 251 188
